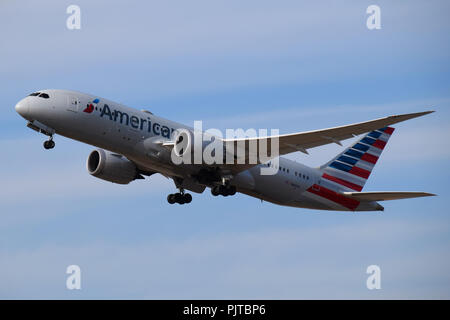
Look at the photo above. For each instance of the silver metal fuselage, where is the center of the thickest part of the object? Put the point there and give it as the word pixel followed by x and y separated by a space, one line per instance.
pixel 135 139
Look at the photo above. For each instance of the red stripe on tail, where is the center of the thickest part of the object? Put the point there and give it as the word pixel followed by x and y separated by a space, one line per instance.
pixel 342 182
pixel 389 130
pixel 369 158
pixel 359 172
pixel 380 144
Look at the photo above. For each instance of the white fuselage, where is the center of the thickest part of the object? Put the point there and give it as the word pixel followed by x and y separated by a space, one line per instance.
pixel 133 134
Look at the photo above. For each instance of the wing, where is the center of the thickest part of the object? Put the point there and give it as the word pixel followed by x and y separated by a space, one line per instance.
pixel 289 143
pixel 386 195
pixel 303 141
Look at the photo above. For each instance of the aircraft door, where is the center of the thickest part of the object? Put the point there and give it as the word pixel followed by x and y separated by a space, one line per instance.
pixel 73 104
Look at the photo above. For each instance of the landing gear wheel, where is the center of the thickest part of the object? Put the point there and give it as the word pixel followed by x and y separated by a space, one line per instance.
pixel 187 198
pixel 215 191
pixel 179 198
pixel 223 190
pixel 171 198
pixel 49 144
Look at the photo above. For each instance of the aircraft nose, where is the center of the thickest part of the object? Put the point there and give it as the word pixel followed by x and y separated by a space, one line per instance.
pixel 22 108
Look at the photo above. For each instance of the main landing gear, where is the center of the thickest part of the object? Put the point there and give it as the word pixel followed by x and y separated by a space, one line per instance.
pixel 180 198
pixel 223 190
pixel 49 144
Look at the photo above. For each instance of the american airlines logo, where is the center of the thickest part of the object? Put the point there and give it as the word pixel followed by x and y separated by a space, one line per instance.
pixel 91 106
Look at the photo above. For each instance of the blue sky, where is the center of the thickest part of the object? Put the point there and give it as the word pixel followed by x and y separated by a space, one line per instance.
pixel 259 64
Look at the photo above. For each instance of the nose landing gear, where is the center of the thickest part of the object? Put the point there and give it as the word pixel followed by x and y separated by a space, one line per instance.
pixel 49 144
pixel 42 128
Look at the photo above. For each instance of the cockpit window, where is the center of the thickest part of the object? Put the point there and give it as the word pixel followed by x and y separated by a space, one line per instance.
pixel 40 94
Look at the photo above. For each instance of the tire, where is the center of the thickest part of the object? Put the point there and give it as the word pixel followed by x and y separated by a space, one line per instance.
pixel 179 198
pixel 223 191
pixel 187 198
pixel 49 144
pixel 171 198
pixel 232 190
pixel 215 191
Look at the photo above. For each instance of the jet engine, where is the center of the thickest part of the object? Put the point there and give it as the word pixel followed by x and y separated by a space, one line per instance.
pixel 184 147
pixel 183 142
pixel 111 167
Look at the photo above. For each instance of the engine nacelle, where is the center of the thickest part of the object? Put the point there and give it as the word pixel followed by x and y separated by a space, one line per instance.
pixel 184 142
pixel 111 167
pixel 185 147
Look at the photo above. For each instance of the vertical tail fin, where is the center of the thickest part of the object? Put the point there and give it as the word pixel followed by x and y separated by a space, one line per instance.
pixel 350 170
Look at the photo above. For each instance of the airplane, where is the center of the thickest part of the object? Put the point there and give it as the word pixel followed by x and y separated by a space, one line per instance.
pixel 132 144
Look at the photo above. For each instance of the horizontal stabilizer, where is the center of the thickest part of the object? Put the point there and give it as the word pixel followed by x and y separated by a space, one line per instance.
pixel 386 195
